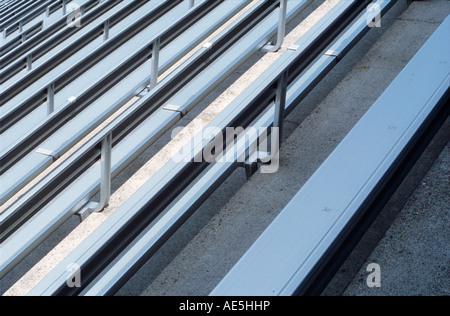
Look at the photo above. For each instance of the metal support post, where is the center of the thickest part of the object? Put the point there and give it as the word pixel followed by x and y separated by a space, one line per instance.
pixel 280 106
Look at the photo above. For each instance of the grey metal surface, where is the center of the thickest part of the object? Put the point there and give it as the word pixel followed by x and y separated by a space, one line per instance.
pixel 281 29
pixel 291 247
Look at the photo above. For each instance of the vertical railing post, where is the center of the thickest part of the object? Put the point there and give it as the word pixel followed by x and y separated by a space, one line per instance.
pixel 281 29
pixel 191 3
pixel 105 182
pixel 155 63
pixel 29 62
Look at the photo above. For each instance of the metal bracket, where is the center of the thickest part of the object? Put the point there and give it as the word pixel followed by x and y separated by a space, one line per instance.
pixel 333 53
pixel 29 62
pixel 48 152
pixel 64 7
pixel 250 168
pixel 257 157
pixel 281 30
pixel 84 213
pixel 106 28
pixel 172 107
